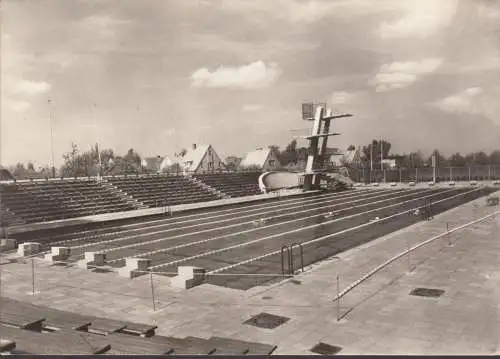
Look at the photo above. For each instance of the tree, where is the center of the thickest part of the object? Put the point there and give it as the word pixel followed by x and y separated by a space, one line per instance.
pixel 289 155
pixel 377 146
pixel 351 148
pixel 440 159
pixel 495 158
pixel 456 160
pixel 232 162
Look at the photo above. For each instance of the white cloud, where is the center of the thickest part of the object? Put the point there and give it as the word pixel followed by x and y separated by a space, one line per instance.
pixel 103 25
pixel 341 97
pixel 30 87
pixel 474 100
pixel 422 18
pixel 399 75
pixel 251 108
pixel 254 75
pixel 15 105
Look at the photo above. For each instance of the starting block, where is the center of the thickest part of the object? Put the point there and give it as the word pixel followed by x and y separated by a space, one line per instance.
pixel 7 244
pixel 188 277
pixel 28 249
pixel 134 267
pixel 92 258
pixel 58 254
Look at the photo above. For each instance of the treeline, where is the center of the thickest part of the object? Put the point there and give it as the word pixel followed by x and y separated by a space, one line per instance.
pixel 382 150
pixel 79 163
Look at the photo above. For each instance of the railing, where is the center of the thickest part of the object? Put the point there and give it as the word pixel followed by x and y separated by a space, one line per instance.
pixel 407 252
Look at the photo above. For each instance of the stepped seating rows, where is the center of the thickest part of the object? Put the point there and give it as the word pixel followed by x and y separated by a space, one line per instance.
pixel 233 184
pixel 152 191
pixel 30 329
pixel 53 200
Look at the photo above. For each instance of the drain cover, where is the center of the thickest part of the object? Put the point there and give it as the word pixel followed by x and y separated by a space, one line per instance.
pixel 325 349
pixel 427 292
pixel 267 321
pixel 60 264
pixel 101 270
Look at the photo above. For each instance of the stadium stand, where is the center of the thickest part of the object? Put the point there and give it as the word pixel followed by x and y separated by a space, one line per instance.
pixel 30 329
pixel 155 191
pixel 233 184
pixel 38 201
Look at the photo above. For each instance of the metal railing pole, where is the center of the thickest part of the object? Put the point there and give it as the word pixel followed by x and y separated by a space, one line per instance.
pixel 152 291
pixel 33 275
pixel 338 298
pixel 409 257
pixel 448 235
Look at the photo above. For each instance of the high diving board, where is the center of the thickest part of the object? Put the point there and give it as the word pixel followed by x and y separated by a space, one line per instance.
pixel 321 135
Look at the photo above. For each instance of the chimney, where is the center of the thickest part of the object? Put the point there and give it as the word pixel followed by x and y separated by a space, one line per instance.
pixel 194 146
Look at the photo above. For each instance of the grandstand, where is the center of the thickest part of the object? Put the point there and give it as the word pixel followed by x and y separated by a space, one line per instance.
pixel 57 199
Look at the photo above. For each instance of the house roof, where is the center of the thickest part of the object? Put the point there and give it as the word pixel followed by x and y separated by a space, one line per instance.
pixel 194 156
pixel 256 158
pixel 156 163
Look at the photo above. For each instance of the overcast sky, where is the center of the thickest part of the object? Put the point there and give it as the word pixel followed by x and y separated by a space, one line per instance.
pixel 158 75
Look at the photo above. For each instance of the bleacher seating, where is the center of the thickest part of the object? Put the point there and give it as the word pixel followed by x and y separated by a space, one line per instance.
pixel 156 191
pixel 38 201
pixel 30 329
pixel 234 184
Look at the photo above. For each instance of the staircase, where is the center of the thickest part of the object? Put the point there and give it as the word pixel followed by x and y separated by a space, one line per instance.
pixel 10 218
pixel 207 187
pixel 124 196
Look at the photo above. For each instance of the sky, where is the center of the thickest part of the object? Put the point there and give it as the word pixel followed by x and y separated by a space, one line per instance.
pixel 160 75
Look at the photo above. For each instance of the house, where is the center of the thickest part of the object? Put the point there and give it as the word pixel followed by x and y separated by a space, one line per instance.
pixel 263 158
pixel 348 157
pixel 156 164
pixel 389 163
pixel 201 158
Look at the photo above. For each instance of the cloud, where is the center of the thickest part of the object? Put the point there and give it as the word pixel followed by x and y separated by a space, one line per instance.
pixel 474 100
pixel 251 108
pixel 30 87
pixel 399 75
pixel 341 97
pixel 15 105
pixel 103 25
pixel 252 76
pixel 421 19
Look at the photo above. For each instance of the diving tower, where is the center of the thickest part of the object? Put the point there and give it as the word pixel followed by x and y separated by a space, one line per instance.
pixel 322 129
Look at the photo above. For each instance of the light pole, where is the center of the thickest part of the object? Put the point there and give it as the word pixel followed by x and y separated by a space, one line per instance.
pixel 51 139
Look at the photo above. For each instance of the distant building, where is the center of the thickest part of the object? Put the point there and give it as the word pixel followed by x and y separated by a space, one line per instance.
pixel 156 164
pixel 262 158
pixel 201 158
pixel 348 157
pixel 389 163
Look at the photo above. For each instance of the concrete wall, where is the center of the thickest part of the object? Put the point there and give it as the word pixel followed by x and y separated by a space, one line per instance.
pixel 277 180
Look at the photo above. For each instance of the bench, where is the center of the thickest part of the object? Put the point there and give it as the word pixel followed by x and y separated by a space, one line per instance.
pixel 63 343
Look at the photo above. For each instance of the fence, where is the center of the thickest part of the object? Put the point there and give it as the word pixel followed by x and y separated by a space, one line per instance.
pixel 370 274
pixel 424 174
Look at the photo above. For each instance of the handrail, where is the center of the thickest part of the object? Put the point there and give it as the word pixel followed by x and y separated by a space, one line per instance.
pixel 386 263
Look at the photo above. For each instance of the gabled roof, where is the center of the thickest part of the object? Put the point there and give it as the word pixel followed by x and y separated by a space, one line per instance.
pixel 256 158
pixel 194 156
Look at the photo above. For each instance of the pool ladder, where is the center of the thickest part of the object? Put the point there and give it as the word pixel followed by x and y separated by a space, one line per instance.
pixel 287 253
